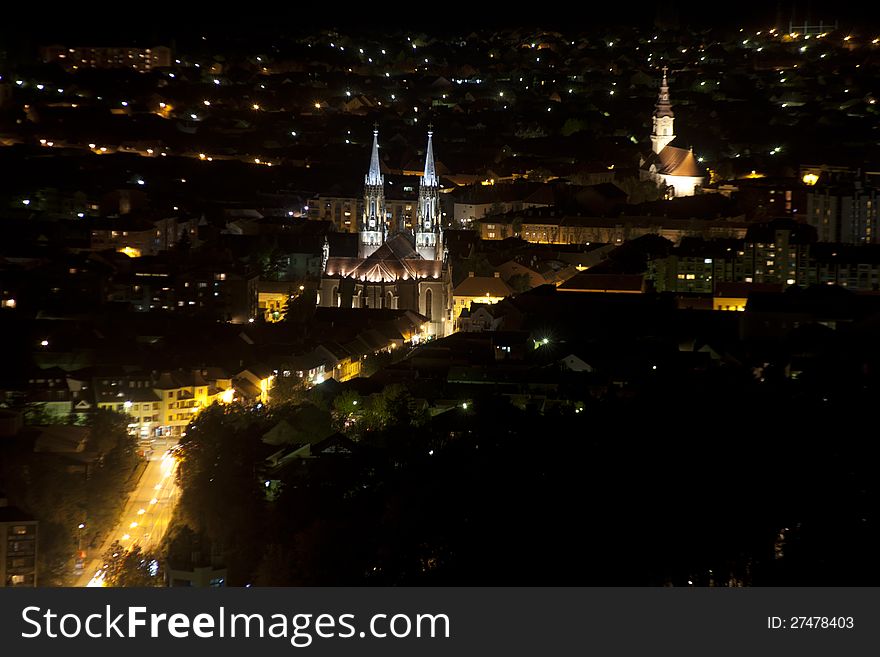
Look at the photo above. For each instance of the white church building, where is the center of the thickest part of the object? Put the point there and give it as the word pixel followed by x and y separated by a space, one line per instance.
pixel 674 168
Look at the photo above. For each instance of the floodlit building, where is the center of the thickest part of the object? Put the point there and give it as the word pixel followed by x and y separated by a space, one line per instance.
pixel 478 289
pixel 674 168
pixel 396 268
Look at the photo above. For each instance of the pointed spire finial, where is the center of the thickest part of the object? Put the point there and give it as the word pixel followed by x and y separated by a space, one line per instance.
pixel 664 106
pixel 430 177
pixel 374 177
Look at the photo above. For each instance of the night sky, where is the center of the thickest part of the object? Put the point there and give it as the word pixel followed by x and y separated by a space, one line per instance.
pixel 102 20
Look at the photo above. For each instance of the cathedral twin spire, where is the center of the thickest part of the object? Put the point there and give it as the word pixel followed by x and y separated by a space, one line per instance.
pixel 375 177
pixel 374 223
pixel 427 229
pixel 430 178
pixel 429 232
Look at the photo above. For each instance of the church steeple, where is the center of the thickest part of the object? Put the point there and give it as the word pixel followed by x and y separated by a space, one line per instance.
pixel 428 229
pixel 430 177
pixel 663 119
pixel 374 226
pixel 374 177
pixel 663 107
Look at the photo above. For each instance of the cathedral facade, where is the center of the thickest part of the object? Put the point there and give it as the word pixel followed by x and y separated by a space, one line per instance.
pixel 396 268
pixel 673 168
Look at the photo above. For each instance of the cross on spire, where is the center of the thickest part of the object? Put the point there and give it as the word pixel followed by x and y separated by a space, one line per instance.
pixel 663 106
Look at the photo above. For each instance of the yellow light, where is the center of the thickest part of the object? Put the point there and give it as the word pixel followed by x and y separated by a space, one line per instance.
pixel 131 252
pixel 133 525
pixel 202 156
pixel 98 580
pixel 228 395
pixel 255 106
pixel 125 537
pixel 317 105
pixel 810 178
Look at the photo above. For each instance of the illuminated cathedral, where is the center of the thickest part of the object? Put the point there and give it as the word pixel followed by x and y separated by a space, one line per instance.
pixel 396 267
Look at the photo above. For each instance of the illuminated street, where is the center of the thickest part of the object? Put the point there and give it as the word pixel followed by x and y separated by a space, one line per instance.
pixel 145 518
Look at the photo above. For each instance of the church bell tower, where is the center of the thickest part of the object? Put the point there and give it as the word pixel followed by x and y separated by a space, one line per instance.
pixel 663 132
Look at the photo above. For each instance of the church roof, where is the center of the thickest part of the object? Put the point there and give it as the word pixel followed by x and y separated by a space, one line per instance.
pixel 396 259
pixel 674 161
pixel 478 286
pixel 399 246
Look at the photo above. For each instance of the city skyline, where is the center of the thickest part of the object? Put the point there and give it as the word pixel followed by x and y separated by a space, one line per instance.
pixel 473 302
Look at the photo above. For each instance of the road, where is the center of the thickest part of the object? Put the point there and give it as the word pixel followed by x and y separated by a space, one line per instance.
pixel 145 517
